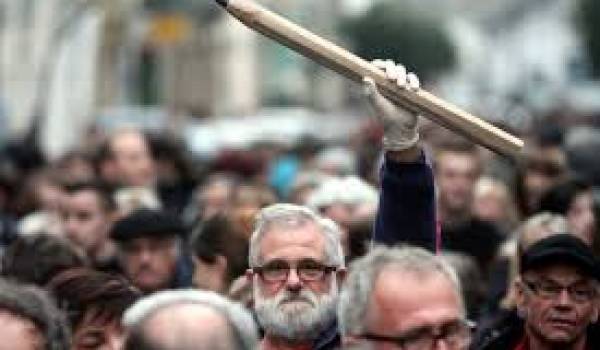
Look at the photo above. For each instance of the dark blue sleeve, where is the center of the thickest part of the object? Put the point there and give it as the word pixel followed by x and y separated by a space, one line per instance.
pixel 406 211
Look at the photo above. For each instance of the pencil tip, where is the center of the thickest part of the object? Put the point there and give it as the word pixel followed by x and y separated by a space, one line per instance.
pixel 222 2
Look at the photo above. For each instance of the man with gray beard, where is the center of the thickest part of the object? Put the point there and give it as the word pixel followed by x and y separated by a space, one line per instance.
pixel 297 264
pixel 287 313
pixel 296 259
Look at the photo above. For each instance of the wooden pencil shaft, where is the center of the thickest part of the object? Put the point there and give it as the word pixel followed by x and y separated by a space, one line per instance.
pixel 355 68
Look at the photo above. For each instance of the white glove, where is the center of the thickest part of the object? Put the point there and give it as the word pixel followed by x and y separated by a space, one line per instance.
pixel 399 125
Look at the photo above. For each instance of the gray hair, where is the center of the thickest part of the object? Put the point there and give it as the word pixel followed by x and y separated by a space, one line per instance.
pixel 546 223
pixel 35 304
pixel 355 296
pixel 292 216
pixel 241 322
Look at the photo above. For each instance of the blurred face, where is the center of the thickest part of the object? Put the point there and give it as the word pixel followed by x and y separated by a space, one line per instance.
pixel 85 220
pixel 78 169
pixel 581 217
pixel 215 198
pixel 558 304
pixel 456 174
pixel 409 312
pixel 97 333
pixel 150 262
pixel 489 207
pixel 536 183
pixel 18 333
pixel 297 307
pixel 210 276
pixel 133 161
pixel 49 195
pixel 491 201
pixel 341 213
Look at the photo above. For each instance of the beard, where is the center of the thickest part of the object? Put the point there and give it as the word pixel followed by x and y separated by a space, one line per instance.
pixel 296 317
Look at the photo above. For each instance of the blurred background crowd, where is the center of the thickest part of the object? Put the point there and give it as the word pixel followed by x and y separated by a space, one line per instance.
pixel 107 107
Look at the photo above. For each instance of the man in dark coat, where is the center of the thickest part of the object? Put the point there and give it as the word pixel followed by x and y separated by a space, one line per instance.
pixel 150 250
pixel 406 214
pixel 556 293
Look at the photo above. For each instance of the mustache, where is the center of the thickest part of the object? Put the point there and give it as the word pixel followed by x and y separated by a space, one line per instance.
pixel 302 296
pixel 566 317
pixel 143 269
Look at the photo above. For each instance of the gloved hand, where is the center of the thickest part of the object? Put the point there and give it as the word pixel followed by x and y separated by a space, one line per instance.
pixel 399 125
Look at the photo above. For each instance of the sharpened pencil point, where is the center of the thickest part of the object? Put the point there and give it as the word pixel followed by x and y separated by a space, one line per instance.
pixel 222 2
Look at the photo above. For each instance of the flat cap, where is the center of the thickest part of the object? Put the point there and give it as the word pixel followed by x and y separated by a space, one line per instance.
pixel 561 248
pixel 147 222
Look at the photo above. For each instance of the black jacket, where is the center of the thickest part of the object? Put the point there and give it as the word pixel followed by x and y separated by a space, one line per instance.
pixel 502 333
pixel 406 214
pixel 507 331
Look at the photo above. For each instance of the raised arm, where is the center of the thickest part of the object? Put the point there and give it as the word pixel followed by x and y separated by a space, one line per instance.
pixel 406 211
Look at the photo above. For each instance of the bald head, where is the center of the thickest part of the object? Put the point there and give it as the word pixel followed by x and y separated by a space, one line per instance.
pixel 188 320
pixel 189 326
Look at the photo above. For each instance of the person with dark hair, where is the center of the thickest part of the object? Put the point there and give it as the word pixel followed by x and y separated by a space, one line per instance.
pixel 457 167
pixel 74 167
pixel 8 223
pixel 29 320
pixel 151 250
pixel 359 238
pixel 8 232
pixel 175 180
pixel 473 286
pixel 214 195
pixel 88 211
pixel 535 175
pixel 220 254
pixel 36 202
pixel 125 159
pixel 574 199
pixel 36 258
pixel 94 303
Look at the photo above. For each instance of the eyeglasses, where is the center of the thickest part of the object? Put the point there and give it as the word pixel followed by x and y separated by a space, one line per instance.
pixel 308 270
pixel 579 293
pixel 456 334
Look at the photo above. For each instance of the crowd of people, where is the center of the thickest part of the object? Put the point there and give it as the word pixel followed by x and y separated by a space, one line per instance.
pixel 405 237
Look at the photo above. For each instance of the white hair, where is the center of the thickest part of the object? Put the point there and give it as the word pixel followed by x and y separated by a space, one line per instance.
pixel 545 224
pixel 240 320
pixel 131 198
pixel 340 159
pixel 356 294
pixel 300 323
pixel 349 190
pixel 292 216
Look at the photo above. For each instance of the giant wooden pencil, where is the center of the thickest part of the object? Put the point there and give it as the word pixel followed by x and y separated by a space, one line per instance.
pixel 355 68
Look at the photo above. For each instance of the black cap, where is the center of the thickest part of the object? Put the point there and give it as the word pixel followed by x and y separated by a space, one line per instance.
pixel 147 222
pixel 560 248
